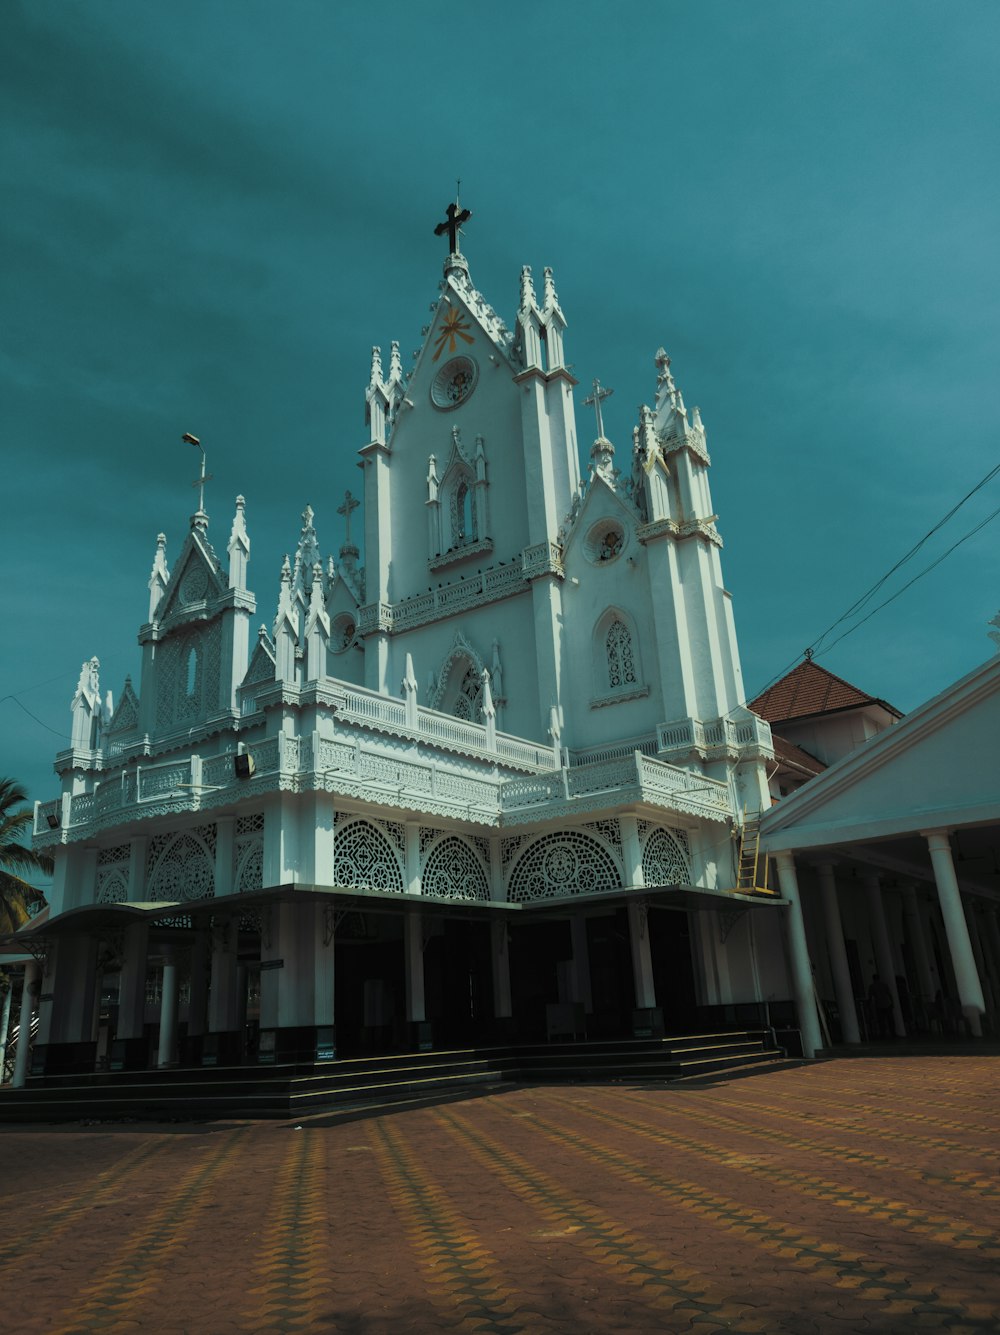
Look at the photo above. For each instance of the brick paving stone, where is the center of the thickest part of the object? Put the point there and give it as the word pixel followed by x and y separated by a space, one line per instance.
pixel 841 1196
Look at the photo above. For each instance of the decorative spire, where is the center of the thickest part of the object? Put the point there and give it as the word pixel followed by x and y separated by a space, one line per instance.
pixel 551 299
pixel 86 707
pixel 239 547
pixel 307 553
pixel 528 301
pixel 160 576
pixel 671 415
pixel 410 694
pixel 395 365
pixel 375 379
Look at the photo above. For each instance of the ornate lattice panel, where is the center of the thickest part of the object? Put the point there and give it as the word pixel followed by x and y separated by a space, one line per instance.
pixel 621 662
pixel 609 830
pixel 363 857
pixel 663 860
pixel 453 871
pixel 184 869
pixel 187 679
pixel 557 865
pixel 249 852
pixel 250 865
pixel 112 887
pixel 469 701
pixel 509 849
pixel 427 836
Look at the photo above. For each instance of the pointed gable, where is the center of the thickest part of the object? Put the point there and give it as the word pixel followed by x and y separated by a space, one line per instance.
pixel 808 690
pixel 197 582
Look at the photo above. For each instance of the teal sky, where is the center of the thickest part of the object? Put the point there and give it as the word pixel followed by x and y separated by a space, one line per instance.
pixel 213 209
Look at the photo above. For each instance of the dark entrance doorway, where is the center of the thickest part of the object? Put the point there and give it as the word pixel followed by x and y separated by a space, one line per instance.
pixel 458 983
pixel 369 984
pixel 673 968
pixel 536 950
pixel 612 984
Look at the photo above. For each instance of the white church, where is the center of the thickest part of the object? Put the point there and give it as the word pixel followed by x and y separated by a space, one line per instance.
pixel 494 785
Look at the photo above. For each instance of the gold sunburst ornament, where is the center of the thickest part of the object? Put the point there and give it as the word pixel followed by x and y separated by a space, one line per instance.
pixel 454 327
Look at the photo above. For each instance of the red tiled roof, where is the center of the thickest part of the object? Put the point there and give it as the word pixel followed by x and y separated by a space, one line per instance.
pixel 810 689
pixel 791 754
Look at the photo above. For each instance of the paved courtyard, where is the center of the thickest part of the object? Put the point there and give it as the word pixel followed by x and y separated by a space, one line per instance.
pixel 847 1196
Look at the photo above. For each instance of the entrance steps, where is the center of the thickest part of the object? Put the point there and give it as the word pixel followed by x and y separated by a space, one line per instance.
pixel 372 1084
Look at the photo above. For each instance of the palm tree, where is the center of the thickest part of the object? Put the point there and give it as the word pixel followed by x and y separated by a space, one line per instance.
pixel 16 894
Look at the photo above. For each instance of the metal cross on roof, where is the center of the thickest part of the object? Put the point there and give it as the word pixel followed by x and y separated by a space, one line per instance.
pixel 351 503
pixel 456 217
pixel 594 401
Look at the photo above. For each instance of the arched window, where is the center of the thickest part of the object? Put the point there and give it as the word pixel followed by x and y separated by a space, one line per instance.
pixel 621 660
pixel 469 700
pixel 463 513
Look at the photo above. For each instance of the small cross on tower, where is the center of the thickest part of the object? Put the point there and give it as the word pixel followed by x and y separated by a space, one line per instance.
pixel 351 503
pixel 594 401
pixel 456 217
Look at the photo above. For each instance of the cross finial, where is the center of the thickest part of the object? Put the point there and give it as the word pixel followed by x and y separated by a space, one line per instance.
pixel 455 217
pixel 594 401
pixel 351 503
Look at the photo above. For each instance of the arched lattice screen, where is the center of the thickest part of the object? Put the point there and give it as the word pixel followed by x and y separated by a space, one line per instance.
pixel 454 872
pixel 663 862
pixel 363 857
pixel 184 870
pixel 570 863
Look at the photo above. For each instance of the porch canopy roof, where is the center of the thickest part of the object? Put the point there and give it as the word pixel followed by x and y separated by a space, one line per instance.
pixel 936 769
pixel 99 918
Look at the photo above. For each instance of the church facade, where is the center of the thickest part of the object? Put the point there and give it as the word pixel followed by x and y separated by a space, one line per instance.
pixel 492 784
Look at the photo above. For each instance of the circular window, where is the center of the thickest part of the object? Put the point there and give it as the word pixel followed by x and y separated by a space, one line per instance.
pixel 605 542
pixel 454 383
pixel 342 633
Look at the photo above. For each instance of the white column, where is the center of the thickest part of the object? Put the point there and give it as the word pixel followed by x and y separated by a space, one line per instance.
pixel 222 995
pixel 413 944
pixel 198 992
pixel 32 974
pixel 979 955
pixel 843 986
pixel 500 955
pixel 883 948
pixel 581 962
pixel 970 991
pixel 5 1026
pixel 922 960
pixel 325 964
pixel 167 1051
pixel 802 979
pixel 642 960
pixel 132 982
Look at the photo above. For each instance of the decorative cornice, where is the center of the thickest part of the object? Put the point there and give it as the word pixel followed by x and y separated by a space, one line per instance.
pixel 617 697
pixel 544 558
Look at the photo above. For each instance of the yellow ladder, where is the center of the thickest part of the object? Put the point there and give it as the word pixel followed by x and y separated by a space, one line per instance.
pixel 752 867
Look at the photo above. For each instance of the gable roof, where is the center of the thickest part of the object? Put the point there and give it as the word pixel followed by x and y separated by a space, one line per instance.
pixel 935 769
pixel 808 690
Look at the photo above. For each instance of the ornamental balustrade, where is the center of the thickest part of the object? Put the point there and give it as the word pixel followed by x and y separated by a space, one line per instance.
pixel 595 755
pixel 721 734
pixel 632 778
pixel 472 591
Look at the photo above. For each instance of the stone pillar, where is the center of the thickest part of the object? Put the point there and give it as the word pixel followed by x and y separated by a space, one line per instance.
pixel 883 949
pixel 798 949
pixel 167 1050
pixel 325 964
pixel 921 957
pixel 413 944
pixel 581 962
pixel 32 976
pixel 198 994
pixel 132 982
pixel 970 991
pixel 223 1016
pixel 502 1006
pixel 642 962
pixel 5 1027
pixel 979 955
pixel 842 984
